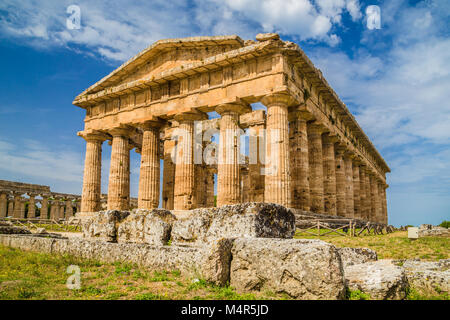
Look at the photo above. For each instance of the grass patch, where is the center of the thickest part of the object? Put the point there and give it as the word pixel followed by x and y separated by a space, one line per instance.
pixel 394 245
pixel 40 276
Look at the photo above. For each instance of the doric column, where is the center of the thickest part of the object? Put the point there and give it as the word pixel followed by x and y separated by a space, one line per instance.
pixel 169 168
pixel 362 191
pixel 329 172
pixel 315 131
pixel 11 208
pixel 298 137
pixel 90 198
pixel 341 208
pixel 228 171
pixel 256 158
pixel 209 188
pixel 22 208
pixel 69 208
pixel 119 173
pixel 277 174
pixel 384 203
pixel 356 189
pixel 44 207
pixel 349 193
pixel 3 204
pixel 373 190
pixel 32 206
pixel 184 189
pixel 62 207
pixel 368 196
pixel 148 196
pixel 17 205
pixel 378 201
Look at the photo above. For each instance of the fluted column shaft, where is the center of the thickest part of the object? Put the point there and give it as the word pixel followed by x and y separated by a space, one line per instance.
pixel 368 197
pixel 356 191
pixel 32 207
pixel 228 172
pixel 3 204
pixel 11 208
pixel 329 172
pixel 169 172
pixel 278 176
pixel 349 193
pixel 184 191
pixel 69 209
pixel 340 183
pixel 119 174
pixel 90 198
pixel 362 192
pixel 384 203
pixel 298 136
pixel 148 196
pixel 378 201
pixel 373 190
pixel 44 208
pixel 17 205
pixel 315 167
pixel 255 166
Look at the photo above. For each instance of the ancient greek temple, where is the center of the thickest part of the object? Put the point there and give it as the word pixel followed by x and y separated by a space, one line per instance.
pixel 284 136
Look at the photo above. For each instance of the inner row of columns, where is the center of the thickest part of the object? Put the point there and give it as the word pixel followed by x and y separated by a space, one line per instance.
pixel 309 168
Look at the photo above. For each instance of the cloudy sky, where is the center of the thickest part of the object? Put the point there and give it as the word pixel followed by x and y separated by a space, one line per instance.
pixel 395 80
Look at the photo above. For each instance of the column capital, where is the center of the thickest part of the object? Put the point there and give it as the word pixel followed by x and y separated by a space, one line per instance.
pixel 235 107
pixel 316 127
pixel 190 116
pixel 331 137
pixel 154 123
pixel 278 98
pixel 121 131
pixel 92 135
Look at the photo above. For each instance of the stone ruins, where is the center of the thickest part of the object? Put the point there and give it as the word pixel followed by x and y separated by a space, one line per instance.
pixel 305 152
pixel 26 200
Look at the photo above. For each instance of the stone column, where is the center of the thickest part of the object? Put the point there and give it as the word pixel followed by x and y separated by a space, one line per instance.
pixel 368 196
pixel 32 206
pixel 315 154
pixel 329 172
pixel 228 169
pixel 3 205
pixel 372 191
pixel 119 173
pixel 277 165
pixel 169 169
pixel 349 193
pixel 62 213
pixel 209 188
pixel 90 198
pixel 44 207
pixel 22 208
pixel 341 208
pixel 378 201
pixel 17 205
pixel 384 203
pixel 148 196
pixel 184 189
pixel 69 208
pixel 362 191
pixel 11 208
pixel 356 190
pixel 256 157
pixel 298 137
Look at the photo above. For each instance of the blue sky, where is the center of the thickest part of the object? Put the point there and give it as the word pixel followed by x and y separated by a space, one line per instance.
pixel 395 80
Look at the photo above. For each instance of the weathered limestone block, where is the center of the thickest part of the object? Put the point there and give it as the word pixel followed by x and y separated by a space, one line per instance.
pixel 428 276
pixel 352 256
pixel 209 262
pixel 253 219
pixel 103 225
pixel 430 230
pixel 380 279
pixel 13 230
pixel 146 226
pixel 303 269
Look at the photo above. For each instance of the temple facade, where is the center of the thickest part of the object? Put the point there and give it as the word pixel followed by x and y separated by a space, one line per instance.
pixel 280 133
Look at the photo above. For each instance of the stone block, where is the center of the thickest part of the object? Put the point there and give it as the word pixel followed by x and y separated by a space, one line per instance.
pixel 352 256
pixel 146 226
pixel 103 225
pixel 303 269
pixel 382 279
pixel 252 219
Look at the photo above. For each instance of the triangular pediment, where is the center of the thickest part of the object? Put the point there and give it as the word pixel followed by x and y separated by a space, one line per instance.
pixel 164 55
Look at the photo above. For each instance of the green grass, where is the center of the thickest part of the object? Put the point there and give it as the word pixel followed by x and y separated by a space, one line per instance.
pixel 40 276
pixel 394 245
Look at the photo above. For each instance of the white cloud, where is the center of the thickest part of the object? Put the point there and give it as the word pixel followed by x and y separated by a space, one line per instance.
pixel 118 32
